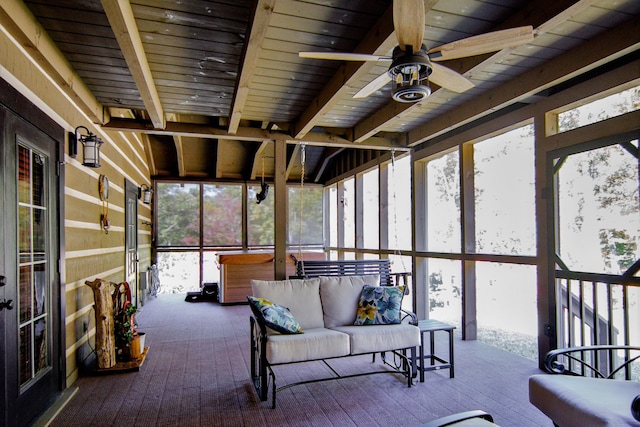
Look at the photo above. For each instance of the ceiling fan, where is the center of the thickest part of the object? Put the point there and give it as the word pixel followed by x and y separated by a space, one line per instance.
pixel 412 65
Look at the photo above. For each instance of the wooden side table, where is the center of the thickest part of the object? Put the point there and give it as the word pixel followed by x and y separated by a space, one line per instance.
pixel 432 326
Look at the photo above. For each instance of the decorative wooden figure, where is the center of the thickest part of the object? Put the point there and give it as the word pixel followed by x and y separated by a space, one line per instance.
pixel 105 338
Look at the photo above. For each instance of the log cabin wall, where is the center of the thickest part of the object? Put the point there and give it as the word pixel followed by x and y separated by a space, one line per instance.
pixel 88 252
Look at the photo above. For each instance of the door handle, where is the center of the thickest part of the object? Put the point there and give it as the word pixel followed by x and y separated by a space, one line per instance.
pixel 8 304
pixel 2 282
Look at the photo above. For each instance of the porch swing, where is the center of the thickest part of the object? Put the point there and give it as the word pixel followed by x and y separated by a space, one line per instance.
pixel 381 267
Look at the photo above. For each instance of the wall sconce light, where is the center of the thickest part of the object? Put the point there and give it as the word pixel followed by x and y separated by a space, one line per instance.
pixel 145 192
pixel 90 147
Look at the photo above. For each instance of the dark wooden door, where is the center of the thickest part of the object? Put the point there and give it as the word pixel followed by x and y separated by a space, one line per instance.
pixel 29 315
pixel 131 239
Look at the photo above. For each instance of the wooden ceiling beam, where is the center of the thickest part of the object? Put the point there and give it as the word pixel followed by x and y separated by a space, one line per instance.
pixel 20 24
pixel 124 27
pixel 544 15
pixel 617 42
pixel 259 25
pixel 253 134
pixel 146 142
pixel 177 141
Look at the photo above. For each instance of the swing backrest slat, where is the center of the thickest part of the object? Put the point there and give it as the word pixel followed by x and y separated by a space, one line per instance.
pixel 313 268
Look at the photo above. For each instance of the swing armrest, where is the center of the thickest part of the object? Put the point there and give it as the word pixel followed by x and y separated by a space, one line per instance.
pixel 410 315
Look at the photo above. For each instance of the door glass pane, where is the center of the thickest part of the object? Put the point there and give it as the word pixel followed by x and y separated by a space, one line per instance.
pixel 25 361
pixel 505 193
pixel 40 354
pixel 24 233
pixel 24 175
pixel 598 216
pixel 25 293
pixel 34 281
pixel 39 233
pixel 37 180
pixel 39 289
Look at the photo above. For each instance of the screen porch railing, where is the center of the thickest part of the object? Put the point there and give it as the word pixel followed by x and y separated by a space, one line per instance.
pixel 598 309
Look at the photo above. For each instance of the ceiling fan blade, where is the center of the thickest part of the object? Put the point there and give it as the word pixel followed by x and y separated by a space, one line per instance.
pixel 483 43
pixel 449 79
pixel 343 56
pixel 408 22
pixel 374 85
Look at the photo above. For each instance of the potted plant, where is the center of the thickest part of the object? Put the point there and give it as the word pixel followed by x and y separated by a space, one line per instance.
pixel 125 331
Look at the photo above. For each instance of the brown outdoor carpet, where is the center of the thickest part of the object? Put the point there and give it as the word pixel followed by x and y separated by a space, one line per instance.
pixel 197 374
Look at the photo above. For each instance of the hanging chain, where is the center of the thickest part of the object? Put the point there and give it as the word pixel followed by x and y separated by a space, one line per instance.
pixel 302 171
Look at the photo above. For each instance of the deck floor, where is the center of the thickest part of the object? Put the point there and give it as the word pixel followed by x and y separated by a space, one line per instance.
pixel 197 374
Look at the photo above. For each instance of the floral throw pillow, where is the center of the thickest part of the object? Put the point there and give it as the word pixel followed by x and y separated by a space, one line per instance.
pixel 275 316
pixel 379 305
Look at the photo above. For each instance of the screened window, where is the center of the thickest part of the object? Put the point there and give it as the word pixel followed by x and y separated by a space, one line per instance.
pixel 222 212
pixel 371 209
pixel 332 194
pixel 305 216
pixel 602 109
pixel 443 203
pixel 349 214
pixel 260 217
pixel 399 194
pixel 598 216
pixel 505 193
pixel 179 221
pixel 188 247
pixel 444 282
pixel 506 307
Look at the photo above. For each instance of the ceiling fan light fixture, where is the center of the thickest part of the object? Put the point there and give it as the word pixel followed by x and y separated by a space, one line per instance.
pixel 409 73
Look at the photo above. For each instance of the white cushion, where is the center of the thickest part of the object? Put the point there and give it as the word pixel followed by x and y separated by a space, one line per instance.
pixel 301 297
pixel 583 401
pixel 375 338
pixel 312 344
pixel 340 295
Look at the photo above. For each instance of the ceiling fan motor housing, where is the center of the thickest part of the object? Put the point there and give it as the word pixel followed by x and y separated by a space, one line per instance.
pixel 409 73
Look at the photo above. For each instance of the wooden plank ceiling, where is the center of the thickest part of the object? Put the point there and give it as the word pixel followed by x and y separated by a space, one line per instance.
pixel 211 84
